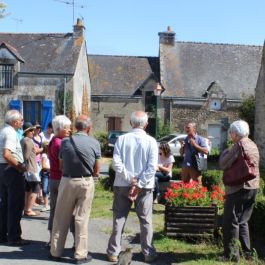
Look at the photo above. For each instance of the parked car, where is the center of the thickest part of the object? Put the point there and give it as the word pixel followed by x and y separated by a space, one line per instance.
pixel 174 140
pixel 112 138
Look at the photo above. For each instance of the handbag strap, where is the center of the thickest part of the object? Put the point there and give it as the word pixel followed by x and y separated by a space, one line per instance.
pixel 80 156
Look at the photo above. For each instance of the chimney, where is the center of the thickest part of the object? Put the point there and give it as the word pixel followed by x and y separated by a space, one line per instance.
pixel 79 28
pixel 167 37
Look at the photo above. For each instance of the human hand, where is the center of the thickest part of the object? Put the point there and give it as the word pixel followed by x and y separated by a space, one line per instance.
pixel 133 193
pixel 192 142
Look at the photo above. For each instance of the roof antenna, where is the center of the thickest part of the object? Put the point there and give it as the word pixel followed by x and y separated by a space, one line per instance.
pixel 18 20
pixel 73 4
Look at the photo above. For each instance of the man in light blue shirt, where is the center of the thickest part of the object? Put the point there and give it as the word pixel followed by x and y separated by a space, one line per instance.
pixel 134 161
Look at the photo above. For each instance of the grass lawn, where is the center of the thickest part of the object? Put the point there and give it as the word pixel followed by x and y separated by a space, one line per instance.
pixel 177 251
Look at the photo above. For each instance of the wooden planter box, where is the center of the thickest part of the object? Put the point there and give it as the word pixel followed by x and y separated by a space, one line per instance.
pixel 190 221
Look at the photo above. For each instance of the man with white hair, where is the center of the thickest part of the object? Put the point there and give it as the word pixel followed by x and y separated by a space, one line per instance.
pixel 79 156
pixel 134 160
pixel 12 191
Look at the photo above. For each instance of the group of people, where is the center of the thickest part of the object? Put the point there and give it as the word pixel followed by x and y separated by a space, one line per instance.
pixel 138 162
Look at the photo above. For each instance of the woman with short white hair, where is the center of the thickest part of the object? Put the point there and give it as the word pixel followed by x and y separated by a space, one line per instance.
pixel 61 127
pixel 240 199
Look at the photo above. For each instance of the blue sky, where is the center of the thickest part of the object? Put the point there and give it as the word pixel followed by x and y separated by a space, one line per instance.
pixel 130 27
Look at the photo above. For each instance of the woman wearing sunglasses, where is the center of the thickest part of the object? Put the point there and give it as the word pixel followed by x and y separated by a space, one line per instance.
pixel 164 168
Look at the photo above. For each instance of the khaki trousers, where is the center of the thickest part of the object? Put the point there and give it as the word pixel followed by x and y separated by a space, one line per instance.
pixel 75 194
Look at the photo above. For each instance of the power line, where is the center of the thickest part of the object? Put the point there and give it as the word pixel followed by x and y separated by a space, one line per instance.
pixel 18 20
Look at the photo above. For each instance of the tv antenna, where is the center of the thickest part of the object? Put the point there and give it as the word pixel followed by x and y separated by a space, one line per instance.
pixel 73 4
pixel 18 21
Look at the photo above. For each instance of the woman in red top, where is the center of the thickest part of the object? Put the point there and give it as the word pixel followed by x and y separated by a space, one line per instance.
pixel 61 127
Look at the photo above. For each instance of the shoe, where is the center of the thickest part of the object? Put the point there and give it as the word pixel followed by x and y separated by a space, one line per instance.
pixel 84 260
pixel 53 258
pixel 112 258
pixel 45 208
pixel 150 258
pixel 20 242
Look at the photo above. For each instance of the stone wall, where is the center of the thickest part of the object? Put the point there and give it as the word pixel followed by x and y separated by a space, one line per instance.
pixel 111 107
pixel 259 114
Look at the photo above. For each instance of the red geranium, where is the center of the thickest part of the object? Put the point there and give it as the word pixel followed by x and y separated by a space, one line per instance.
pixel 193 194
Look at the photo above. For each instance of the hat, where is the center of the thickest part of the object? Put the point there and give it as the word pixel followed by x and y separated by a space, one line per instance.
pixel 37 125
pixel 27 126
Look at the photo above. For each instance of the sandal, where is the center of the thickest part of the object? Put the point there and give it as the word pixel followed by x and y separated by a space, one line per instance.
pixel 31 213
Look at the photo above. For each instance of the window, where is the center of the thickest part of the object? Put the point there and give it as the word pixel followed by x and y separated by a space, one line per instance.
pixel 150 101
pixel 6 76
pixel 32 111
pixel 215 104
pixel 114 124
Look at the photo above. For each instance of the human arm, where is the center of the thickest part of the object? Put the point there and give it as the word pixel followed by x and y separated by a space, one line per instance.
pixel 165 168
pixel 118 163
pixel 7 154
pixel 228 157
pixel 200 147
pixel 96 169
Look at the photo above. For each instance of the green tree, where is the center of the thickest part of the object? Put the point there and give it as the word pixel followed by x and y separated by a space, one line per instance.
pixel 2 10
pixel 247 113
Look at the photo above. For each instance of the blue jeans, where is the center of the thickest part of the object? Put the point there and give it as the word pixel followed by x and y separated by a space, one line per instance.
pixel 45 183
pixel 160 177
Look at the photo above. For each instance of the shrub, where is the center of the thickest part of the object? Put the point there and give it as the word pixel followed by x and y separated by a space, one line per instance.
pixel 256 222
pixel 102 137
pixel 176 173
pixel 111 177
pixel 212 178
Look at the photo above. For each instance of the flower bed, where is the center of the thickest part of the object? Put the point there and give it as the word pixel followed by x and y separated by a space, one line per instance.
pixel 191 210
pixel 192 194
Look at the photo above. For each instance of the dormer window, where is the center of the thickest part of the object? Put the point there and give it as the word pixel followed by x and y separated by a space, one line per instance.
pixel 6 76
pixel 215 104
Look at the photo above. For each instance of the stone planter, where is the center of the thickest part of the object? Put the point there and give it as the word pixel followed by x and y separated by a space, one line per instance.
pixel 190 221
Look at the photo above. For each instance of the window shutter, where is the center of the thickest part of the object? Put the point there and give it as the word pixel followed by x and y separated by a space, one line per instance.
pixel 15 104
pixel 46 113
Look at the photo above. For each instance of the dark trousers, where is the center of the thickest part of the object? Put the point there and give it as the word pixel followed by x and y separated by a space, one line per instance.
pixel 238 208
pixel 159 177
pixel 12 196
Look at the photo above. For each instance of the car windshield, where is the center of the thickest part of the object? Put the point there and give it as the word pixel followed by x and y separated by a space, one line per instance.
pixel 167 138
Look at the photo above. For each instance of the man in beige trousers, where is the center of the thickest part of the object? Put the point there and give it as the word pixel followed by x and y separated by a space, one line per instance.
pixel 79 155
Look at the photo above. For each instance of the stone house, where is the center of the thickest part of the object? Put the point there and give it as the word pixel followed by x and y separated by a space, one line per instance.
pixel 203 82
pixel 44 74
pixel 121 85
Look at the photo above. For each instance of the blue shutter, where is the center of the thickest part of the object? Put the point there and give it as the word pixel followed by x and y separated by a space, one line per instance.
pixel 15 104
pixel 46 113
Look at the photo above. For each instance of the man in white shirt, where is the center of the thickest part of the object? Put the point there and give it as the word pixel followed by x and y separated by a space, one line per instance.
pixel 134 160
pixel 12 190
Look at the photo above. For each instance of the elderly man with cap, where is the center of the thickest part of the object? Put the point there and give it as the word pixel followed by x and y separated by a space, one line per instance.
pixel 79 157
pixel 32 174
pixel 12 190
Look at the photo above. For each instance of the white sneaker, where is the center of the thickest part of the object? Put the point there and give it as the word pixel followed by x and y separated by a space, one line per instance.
pixel 45 208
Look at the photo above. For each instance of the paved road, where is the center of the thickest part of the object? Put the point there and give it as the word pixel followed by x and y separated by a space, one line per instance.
pixel 35 229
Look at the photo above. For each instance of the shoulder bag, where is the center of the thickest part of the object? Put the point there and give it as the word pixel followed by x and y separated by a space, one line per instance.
pixel 80 155
pixel 242 170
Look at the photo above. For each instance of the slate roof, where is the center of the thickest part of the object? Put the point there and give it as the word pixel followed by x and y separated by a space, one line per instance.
pixel 120 75
pixel 55 53
pixel 188 68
